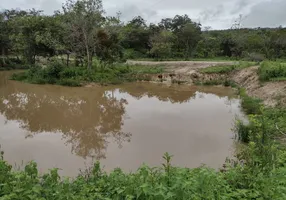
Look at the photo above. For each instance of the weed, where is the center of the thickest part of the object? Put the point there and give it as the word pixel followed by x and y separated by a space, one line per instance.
pixel 249 104
pixel 273 71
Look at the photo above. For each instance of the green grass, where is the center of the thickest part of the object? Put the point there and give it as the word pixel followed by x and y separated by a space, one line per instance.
pixel 272 71
pixel 227 68
pixel 278 79
pixel 273 118
pixel 139 69
pixel 249 104
pixel 102 73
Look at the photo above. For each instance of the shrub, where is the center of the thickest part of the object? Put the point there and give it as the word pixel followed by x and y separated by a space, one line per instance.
pixel 54 69
pixel 249 104
pixel 272 71
pixel 71 72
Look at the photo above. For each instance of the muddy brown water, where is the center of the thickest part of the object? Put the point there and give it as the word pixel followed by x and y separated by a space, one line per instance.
pixel 122 126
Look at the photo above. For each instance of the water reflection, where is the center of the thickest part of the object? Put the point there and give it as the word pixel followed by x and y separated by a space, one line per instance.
pixel 85 119
pixel 92 120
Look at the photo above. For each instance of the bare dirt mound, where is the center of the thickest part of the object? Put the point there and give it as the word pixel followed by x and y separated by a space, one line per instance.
pixel 271 93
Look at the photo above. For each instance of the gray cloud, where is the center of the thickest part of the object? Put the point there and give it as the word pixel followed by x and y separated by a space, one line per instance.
pixel 218 14
pixel 267 14
pixel 239 6
pixel 211 14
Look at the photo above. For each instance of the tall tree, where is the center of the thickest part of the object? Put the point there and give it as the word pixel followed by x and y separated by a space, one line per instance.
pixel 83 20
pixel 162 44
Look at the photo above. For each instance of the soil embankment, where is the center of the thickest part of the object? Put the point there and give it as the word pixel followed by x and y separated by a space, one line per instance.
pixel 271 93
pixel 188 72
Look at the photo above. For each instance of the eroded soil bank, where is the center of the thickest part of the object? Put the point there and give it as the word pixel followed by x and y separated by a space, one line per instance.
pixel 188 72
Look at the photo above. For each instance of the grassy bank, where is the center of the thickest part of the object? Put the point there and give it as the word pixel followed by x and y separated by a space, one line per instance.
pixel 272 71
pixel 102 73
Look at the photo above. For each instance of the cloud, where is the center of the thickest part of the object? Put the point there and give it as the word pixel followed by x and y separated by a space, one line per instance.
pixel 239 6
pixel 218 14
pixel 267 14
pixel 211 14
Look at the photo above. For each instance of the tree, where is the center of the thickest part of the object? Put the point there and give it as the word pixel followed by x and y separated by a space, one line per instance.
pixel 26 29
pixel 188 37
pixel 4 36
pixel 162 44
pixel 83 20
pixel 135 35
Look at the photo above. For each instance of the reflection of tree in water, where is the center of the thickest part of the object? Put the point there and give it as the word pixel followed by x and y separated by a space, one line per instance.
pixel 162 92
pixel 87 118
pixel 173 94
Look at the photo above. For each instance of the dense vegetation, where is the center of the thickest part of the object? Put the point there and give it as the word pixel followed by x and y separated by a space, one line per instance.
pixel 81 31
pixel 272 71
pixel 102 73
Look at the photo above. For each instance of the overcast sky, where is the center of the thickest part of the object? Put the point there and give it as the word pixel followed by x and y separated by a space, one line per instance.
pixel 219 14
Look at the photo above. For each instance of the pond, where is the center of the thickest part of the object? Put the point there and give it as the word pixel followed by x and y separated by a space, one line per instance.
pixel 122 126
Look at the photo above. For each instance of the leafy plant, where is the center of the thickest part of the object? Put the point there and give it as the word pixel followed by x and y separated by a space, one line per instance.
pixel 274 71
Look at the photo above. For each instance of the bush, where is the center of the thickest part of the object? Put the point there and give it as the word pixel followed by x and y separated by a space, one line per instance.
pixel 272 71
pixel 71 72
pixel 102 73
pixel 133 54
pixel 54 69
pixel 249 104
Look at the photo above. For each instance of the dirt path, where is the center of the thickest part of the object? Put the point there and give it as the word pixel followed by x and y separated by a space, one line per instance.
pixel 271 93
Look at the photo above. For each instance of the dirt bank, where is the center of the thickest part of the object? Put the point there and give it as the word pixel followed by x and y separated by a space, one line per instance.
pixel 272 93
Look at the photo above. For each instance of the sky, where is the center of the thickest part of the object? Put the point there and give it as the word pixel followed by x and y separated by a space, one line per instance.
pixel 218 14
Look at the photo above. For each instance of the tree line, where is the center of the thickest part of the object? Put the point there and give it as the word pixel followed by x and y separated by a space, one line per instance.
pixel 82 31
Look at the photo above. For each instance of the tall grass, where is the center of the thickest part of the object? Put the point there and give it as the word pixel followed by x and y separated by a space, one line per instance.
pixel 249 104
pixel 272 71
